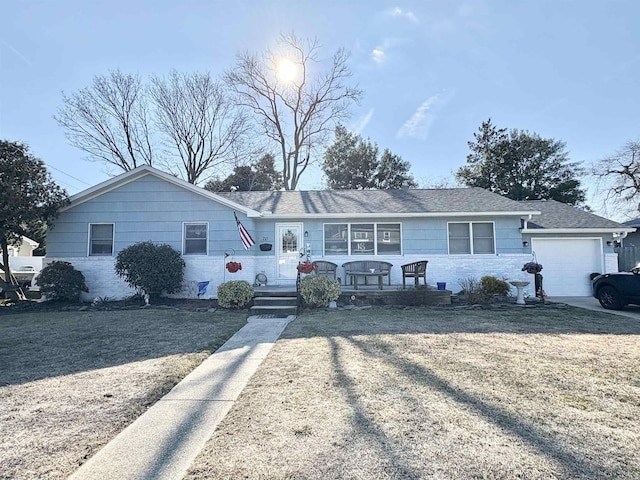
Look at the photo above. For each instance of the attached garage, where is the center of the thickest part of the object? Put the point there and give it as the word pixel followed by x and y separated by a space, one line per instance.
pixel 567 264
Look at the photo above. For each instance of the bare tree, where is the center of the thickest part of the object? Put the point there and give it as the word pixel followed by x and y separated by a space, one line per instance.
pixel 619 176
pixel 109 120
pixel 199 123
pixel 295 105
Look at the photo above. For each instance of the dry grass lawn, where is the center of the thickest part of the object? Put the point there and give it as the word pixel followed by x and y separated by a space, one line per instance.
pixel 70 381
pixel 543 393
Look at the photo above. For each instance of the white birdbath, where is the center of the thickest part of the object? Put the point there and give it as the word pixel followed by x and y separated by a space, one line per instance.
pixel 520 286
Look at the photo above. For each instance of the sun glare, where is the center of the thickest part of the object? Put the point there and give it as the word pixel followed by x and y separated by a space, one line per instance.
pixel 287 70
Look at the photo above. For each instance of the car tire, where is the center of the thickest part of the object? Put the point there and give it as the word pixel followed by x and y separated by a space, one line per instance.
pixel 610 299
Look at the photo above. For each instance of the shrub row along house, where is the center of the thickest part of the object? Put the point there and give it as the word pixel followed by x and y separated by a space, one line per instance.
pixel 462 232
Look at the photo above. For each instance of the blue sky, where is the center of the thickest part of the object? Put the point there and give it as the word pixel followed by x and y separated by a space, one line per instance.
pixel 431 71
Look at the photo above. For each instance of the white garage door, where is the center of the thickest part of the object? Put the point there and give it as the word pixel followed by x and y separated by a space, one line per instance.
pixel 567 264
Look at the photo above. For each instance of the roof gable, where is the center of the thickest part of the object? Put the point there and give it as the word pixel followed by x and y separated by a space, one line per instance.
pixel 139 172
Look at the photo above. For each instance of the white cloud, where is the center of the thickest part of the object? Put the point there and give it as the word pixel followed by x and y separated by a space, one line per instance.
pixel 399 13
pixel 419 124
pixel 360 123
pixel 378 55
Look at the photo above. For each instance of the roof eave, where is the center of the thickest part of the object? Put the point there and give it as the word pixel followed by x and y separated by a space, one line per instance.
pixel 399 215
pixel 579 230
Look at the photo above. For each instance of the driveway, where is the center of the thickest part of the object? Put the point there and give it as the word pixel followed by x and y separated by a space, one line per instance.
pixel 591 303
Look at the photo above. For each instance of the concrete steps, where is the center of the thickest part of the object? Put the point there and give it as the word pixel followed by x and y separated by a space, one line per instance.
pixel 275 302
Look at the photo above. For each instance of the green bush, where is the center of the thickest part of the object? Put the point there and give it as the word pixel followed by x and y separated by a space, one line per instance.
pixel 319 291
pixel 493 286
pixel 235 294
pixel 61 281
pixel 150 268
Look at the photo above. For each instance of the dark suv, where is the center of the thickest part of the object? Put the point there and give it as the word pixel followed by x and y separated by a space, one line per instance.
pixel 615 290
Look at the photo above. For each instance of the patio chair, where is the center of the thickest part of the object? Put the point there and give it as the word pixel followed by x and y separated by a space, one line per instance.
pixel 415 270
pixel 325 269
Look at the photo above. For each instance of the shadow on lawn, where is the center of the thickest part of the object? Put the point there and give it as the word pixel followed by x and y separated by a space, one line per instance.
pixel 552 320
pixel 44 345
pixel 573 464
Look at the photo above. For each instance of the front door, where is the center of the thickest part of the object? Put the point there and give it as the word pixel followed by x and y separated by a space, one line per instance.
pixel 288 248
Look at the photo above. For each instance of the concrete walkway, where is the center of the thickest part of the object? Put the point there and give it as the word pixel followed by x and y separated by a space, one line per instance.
pixel 163 442
pixel 591 303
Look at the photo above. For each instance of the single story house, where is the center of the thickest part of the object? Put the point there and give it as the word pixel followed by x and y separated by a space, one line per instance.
pixel 462 232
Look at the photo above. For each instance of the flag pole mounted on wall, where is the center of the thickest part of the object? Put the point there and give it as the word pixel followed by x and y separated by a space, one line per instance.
pixel 245 237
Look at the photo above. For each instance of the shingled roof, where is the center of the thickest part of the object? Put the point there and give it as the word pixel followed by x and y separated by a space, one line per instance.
pixel 379 202
pixel 557 215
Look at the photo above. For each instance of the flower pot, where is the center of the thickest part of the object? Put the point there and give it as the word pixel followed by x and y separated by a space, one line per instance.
pixel 233 267
pixel 442 285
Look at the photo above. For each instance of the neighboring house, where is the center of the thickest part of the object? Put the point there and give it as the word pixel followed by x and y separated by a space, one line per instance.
pixel 21 260
pixel 21 256
pixel 633 239
pixel 462 232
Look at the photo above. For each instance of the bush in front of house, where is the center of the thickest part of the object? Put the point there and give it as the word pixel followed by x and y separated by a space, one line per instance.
pixel 319 291
pixel 150 268
pixel 235 294
pixel 61 281
pixel 483 290
pixel 494 286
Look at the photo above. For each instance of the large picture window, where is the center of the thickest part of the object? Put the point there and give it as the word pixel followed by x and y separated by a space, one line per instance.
pixel 362 239
pixel 471 238
pixel 195 239
pixel 101 239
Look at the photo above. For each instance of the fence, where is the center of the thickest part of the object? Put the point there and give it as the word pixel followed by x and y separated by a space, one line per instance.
pixel 628 257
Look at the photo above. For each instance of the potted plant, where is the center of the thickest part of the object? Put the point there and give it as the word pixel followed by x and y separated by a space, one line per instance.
pixel 532 267
pixel 306 267
pixel 233 267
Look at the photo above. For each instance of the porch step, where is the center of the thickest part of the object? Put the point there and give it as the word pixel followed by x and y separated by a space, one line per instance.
pixel 278 305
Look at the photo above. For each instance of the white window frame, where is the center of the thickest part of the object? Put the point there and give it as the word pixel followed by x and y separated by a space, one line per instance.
pixel 470 227
pixel 184 239
pixel 350 240
pixel 89 240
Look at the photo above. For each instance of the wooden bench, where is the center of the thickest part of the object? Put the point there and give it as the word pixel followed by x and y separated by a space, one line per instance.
pixel 362 268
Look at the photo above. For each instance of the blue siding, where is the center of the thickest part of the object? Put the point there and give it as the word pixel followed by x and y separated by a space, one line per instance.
pixel 150 208
pixel 145 209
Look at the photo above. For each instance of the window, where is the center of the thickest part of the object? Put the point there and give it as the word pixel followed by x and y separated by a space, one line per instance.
pixel 101 239
pixel 362 239
pixel 195 239
pixel 471 238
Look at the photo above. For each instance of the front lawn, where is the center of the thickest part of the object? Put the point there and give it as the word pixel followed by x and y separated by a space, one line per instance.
pixel 541 393
pixel 71 381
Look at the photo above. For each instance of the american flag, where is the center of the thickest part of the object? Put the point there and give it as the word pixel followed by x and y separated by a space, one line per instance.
pixel 245 237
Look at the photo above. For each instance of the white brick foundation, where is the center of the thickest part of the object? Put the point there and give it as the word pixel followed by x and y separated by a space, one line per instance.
pixel 103 282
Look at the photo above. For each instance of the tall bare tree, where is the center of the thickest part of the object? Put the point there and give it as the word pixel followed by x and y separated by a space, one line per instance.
pixel 109 120
pixel 295 101
pixel 619 176
pixel 198 121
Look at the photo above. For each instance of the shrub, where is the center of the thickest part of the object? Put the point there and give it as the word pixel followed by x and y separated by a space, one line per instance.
pixel 319 291
pixel 150 268
pixel 235 294
pixel 61 281
pixel 494 286
pixel 472 290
